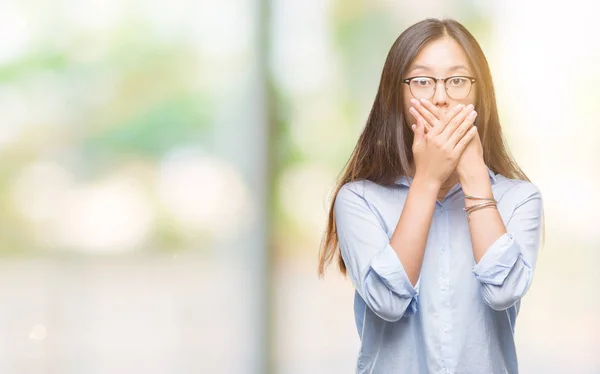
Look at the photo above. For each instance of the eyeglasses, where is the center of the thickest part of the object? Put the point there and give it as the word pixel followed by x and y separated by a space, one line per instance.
pixel 457 87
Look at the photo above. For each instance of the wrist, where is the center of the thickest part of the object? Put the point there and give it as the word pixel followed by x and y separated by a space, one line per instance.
pixel 473 174
pixel 476 183
pixel 426 184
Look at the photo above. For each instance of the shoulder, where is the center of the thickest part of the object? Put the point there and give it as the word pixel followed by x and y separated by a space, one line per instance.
pixel 365 195
pixel 349 193
pixel 516 191
pixel 365 190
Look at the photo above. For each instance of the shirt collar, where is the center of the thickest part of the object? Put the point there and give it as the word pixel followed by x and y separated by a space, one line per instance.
pixel 407 181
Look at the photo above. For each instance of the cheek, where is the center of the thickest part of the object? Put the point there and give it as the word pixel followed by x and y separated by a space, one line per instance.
pixel 471 99
pixel 472 96
pixel 409 119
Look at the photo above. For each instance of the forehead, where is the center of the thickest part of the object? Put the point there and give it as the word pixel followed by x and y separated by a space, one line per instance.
pixel 440 57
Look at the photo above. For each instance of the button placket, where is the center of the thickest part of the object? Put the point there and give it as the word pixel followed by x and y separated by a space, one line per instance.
pixel 444 284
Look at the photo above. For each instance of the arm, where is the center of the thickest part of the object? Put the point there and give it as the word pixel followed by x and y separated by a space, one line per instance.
pixel 410 236
pixel 505 256
pixel 381 269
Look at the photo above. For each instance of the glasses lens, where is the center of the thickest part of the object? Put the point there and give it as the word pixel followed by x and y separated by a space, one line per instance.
pixel 458 87
pixel 422 87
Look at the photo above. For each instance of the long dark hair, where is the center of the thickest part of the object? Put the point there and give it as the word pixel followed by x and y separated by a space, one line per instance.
pixel 384 149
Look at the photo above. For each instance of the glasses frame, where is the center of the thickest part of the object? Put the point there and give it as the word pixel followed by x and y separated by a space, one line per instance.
pixel 436 80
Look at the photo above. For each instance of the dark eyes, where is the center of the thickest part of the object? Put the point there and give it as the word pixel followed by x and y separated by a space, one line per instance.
pixel 426 82
pixel 458 81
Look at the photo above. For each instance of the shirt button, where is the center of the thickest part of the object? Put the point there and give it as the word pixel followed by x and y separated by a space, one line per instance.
pixel 443 248
pixel 444 329
pixel 443 287
pixel 442 209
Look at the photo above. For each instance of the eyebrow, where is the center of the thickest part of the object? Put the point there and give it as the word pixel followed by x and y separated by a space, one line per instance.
pixel 451 68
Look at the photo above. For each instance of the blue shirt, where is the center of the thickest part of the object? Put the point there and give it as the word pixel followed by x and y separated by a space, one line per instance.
pixel 460 316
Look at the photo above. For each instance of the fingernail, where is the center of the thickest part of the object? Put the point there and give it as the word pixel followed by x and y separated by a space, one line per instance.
pixel 470 106
pixel 412 110
pixel 414 101
pixel 473 114
pixel 413 127
pixel 423 100
pixel 459 106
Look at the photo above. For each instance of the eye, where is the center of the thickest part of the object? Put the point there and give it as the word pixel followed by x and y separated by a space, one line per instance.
pixel 422 82
pixel 457 81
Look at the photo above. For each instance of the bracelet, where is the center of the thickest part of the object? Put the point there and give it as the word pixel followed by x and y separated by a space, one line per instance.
pixel 471 209
pixel 469 214
pixel 478 198
pixel 487 203
pixel 478 206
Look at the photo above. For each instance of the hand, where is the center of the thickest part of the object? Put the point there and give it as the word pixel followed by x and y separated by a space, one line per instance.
pixel 472 157
pixel 437 153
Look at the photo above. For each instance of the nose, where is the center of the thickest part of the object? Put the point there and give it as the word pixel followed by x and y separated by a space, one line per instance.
pixel 440 98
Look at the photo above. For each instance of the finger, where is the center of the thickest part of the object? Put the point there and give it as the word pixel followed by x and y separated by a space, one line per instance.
pixel 419 133
pixel 424 112
pixel 462 144
pixel 458 119
pixel 427 128
pixel 418 117
pixel 432 108
pixel 453 112
pixel 464 127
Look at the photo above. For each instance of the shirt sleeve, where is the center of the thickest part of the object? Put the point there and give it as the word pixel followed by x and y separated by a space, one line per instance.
pixel 505 271
pixel 371 262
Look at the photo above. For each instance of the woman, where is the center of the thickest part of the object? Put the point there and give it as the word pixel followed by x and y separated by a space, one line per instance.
pixel 436 225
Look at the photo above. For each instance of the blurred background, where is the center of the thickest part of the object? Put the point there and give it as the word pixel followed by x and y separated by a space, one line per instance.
pixel 166 169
